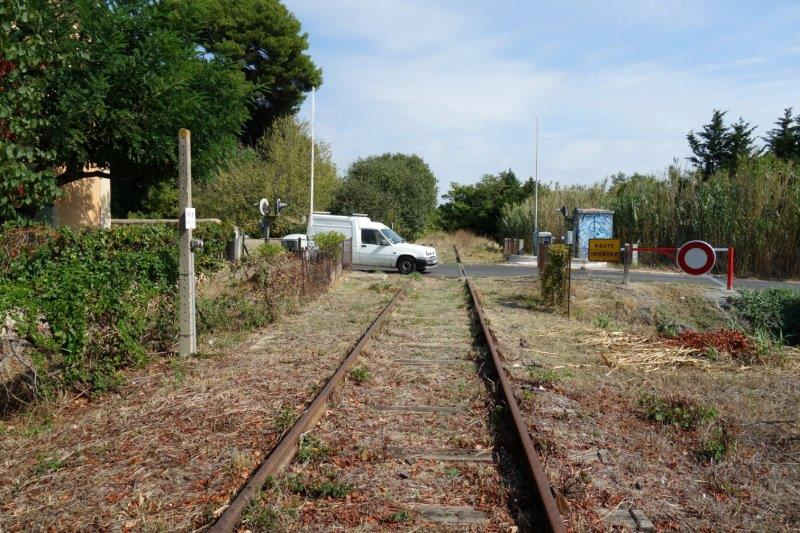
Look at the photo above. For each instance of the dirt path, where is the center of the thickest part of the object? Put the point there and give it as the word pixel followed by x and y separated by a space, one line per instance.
pixel 169 449
pixel 409 445
pixel 625 423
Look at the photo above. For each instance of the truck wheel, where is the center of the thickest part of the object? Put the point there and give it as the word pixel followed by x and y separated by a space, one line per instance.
pixel 406 265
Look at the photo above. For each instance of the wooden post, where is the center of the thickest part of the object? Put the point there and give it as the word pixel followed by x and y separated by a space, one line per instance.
pixel 187 343
pixel 730 268
pixel 627 255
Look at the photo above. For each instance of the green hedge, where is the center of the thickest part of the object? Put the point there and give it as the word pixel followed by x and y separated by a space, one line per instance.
pixel 107 297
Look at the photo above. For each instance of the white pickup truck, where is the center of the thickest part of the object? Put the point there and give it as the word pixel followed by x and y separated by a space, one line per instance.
pixel 375 246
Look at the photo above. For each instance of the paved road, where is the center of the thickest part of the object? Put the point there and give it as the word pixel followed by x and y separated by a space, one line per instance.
pixel 450 270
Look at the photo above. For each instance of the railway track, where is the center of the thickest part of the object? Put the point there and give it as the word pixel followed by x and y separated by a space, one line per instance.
pixel 424 435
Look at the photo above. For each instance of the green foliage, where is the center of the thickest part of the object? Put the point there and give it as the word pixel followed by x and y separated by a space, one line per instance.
pixel 34 44
pixel 396 189
pixel 311 449
pixel 231 312
pixel 517 220
pixel 602 321
pixel 269 253
pixel 329 488
pixel 675 411
pixel 46 465
pixel 399 517
pixel 285 418
pixel 107 298
pixel 359 374
pixel 109 84
pixel 329 244
pixel 776 311
pixel 555 275
pixel 264 39
pixel 715 444
pixel 719 147
pixel 478 207
pixel 542 377
pixel 261 517
pixel 756 210
pixel 784 140
pixel 279 167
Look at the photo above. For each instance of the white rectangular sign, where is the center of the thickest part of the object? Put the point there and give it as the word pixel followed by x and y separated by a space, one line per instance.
pixel 189 218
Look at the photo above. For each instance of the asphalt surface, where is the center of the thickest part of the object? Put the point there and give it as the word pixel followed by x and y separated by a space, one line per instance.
pixel 450 270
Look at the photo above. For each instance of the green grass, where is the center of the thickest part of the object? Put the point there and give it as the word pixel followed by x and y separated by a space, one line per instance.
pixel 715 445
pixel 675 411
pixel 45 465
pixel 285 418
pixel 318 489
pixel 311 449
pixel 359 374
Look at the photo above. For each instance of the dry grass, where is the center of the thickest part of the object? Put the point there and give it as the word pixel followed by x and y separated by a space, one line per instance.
pixel 581 386
pixel 168 450
pixel 473 249
pixel 383 487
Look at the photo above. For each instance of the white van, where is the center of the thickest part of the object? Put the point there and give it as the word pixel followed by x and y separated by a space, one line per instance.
pixel 375 246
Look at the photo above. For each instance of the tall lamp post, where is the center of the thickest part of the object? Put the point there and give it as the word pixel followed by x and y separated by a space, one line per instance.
pixel 311 187
pixel 535 237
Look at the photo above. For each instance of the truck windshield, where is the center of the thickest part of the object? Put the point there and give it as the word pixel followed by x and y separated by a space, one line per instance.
pixel 392 236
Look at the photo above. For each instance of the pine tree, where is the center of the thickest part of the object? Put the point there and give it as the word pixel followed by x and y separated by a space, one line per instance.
pixel 740 143
pixel 710 146
pixel 784 140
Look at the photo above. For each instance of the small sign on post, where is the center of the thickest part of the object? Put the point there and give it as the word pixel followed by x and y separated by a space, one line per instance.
pixel 607 250
pixel 190 218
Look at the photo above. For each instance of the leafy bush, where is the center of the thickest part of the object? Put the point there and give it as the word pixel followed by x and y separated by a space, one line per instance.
pixel 329 244
pixel 681 412
pixel 715 444
pixel 554 276
pixel 776 311
pixel 107 297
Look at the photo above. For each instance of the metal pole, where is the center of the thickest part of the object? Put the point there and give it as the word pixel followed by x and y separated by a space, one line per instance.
pixel 187 344
pixel 626 263
pixel 569 280
pixel 535 241
pixel 311 194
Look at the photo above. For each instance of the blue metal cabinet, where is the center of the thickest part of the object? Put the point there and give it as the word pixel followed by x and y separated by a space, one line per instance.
pixel 591 224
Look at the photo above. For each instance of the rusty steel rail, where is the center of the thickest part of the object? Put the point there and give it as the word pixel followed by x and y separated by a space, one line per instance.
pixel 286 449
pixel 555 523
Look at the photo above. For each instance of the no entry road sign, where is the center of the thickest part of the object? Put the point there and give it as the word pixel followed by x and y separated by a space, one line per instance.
pixel 696 257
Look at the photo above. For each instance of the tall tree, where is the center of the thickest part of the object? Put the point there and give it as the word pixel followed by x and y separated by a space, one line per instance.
pixel 710 146
pixel 278 167
pixel 116 91
pixel 34 45
pixel 719 147
pixel 784 140
pixel 478 206
pixel 397 189
pixel 264 38
pixel 740 143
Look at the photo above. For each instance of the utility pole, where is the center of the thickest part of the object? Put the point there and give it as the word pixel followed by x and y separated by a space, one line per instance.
pixel 187 344
pixel 311 198
pixel 535 240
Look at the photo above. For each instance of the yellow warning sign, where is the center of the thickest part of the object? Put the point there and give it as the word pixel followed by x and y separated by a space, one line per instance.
pixel 607 250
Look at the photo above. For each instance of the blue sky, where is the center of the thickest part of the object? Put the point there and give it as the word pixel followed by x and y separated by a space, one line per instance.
pixel 616 84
